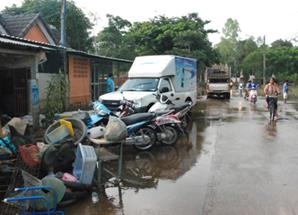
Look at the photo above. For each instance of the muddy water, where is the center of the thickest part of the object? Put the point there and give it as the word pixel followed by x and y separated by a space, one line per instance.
pixel 233 161
pixel 165 180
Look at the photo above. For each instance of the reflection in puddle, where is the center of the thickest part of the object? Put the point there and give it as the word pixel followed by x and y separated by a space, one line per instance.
pixel 271 130
pixel 162 162
pixel 143 171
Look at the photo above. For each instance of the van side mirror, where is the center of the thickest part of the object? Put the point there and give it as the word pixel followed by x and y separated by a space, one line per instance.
pixel 164 90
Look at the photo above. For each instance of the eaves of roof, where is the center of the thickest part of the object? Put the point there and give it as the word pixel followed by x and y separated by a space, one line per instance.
pixel 85 54
pixel 7 41
pixel 15 42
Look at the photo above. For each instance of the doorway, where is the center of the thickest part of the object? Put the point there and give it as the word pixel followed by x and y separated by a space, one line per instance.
pixel 14 91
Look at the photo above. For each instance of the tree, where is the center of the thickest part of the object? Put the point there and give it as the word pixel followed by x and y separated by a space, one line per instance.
pixel 281 43
pixel 184 36
pixel 252 64
pixel 283 62
pixel 112 41
pixel 243 49
pixel 231 30
pixel 77 24
pixel 227 48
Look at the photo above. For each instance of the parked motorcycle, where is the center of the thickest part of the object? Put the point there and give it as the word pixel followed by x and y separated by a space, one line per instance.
pixel 167 124
pixel 166 127
pixel 139 134
pixel 182 112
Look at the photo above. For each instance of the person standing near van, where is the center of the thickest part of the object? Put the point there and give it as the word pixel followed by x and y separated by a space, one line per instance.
pixel 285 90
pixel 110 83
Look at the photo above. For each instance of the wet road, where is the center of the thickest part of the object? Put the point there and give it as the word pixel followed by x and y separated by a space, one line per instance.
pixel 232 162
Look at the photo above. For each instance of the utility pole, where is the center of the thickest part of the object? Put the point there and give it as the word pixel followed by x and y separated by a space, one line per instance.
pixel 62 20
pixel 63 48
pixel 264 61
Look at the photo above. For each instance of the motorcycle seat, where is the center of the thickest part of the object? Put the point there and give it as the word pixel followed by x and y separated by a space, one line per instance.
pixel 137 117
pixel 180 107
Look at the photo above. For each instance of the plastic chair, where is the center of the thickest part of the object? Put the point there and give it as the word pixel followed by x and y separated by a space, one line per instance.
pixel 31 195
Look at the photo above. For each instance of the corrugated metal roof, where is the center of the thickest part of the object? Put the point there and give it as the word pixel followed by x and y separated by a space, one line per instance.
pixel 9 41
pixel 73 51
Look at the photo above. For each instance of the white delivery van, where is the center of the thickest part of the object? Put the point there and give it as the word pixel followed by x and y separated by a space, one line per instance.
pixel 171 75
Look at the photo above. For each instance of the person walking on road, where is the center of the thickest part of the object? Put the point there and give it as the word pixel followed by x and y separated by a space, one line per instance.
pixel 110 83
pixel 285 91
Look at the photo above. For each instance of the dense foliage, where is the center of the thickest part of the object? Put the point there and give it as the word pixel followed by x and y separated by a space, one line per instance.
pixel 185 36
pixel 254 57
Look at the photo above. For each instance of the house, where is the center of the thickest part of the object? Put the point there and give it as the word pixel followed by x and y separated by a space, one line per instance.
pixel 30 56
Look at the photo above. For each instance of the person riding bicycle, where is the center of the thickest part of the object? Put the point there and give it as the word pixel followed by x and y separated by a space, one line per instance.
pixel 272 90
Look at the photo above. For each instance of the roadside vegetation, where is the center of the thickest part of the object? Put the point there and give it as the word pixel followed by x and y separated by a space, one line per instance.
pixel 293 92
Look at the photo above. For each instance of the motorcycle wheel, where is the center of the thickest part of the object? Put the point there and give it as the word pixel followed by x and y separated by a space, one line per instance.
pixel 146 131
pixel 172 135
pixel 186 119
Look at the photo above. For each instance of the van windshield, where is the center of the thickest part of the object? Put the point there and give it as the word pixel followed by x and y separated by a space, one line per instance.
pixel 140 84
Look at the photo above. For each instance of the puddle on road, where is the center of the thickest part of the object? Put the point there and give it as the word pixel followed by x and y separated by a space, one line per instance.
pixel 153 180
pixel 174 179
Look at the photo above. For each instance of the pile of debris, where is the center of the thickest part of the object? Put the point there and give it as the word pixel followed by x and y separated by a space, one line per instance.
pixel 62 158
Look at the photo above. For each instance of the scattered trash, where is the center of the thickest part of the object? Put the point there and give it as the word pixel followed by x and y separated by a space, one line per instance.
pixel 85 163
pixel 30 154
pixel 94 197
pixel 115 130
pixel 59 157
pixel 96 132
pixel 68 125
pixel 62 132
pixel 58 134
pixel 19 124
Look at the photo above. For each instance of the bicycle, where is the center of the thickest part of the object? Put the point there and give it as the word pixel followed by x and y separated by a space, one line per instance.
pixel 272 100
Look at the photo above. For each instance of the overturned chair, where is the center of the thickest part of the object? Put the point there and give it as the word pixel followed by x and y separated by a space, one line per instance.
pixel 31 204
pixel 39 196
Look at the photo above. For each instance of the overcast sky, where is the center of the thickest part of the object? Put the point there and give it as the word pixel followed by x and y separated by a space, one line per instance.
pixel 276 19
